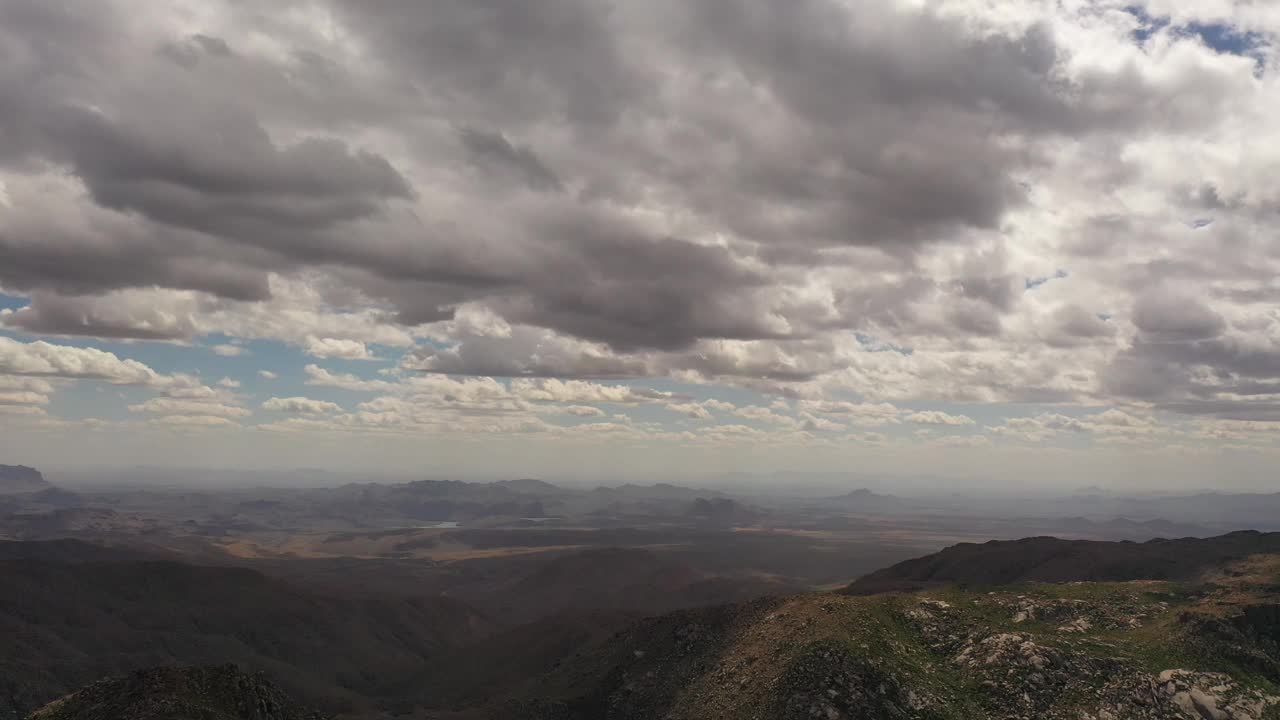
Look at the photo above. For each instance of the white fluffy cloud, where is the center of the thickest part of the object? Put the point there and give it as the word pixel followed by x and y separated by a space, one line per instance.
pixel 935 417
pixel 40 358
pixel 178 406
pixel 336 348
pixel 301 406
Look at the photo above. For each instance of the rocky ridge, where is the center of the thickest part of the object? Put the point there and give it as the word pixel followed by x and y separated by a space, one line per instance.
pixel 1141 650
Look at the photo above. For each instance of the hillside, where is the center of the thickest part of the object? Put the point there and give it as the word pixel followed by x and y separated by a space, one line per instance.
pixel 207 693
pixel 1077 651
pixel 69 621
pixel 1046 559
pixel 1002 631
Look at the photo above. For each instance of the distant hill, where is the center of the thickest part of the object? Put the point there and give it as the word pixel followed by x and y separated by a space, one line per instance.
pixel 179 693
pixel 1047 559
pixel 864 500
pixel 21 479
pixel 530 486
pixel 656 491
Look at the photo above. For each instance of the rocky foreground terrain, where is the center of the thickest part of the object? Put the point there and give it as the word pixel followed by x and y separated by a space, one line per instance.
pixel 1202 642
pixel 1203 648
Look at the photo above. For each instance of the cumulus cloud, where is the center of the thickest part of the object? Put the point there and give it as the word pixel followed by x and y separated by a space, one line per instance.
pixel 179 406
pixel 301 406
pixel 192 421
pixel 40 358
pixel 936 417
pixel 22 398
pixel 337 348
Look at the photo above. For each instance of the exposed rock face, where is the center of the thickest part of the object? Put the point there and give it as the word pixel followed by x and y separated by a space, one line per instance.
pixel 830 682
pixel 21 479
pixel 209 693
pixel 1213 696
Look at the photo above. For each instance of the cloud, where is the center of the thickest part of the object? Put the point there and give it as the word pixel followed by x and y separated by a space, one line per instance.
pixel 695 411
pixel 862 414
pixel 936 417
pixel 192 421
pixel 337 348
pixel 179 406
pixel 819 200
pixel 583 392
pixel 317 375
pixel 301 406
pixel 227 350
pixel 267 375
pixel 25 384
pixel 43 359
pixel 524 352
pixel 23 398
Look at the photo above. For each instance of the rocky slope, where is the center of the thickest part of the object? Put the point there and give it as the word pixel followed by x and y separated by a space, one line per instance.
pixel 1206 648
pixel 204 693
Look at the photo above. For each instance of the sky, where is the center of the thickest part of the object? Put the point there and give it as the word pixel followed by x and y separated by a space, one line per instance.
pixel 1018 241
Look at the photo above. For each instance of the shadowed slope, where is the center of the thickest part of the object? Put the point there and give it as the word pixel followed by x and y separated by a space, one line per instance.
pixel 208 693
pixel 1046 559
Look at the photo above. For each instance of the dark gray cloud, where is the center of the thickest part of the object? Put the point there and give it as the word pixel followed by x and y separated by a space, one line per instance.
pixel 1187 358
pixel 493 151
pixel 524 352
pixel 216 170
pixel 52 314
pixel 1175 317
pixel 1073 326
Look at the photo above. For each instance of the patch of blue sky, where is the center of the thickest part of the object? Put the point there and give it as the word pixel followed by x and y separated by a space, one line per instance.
pixel 872 344
pixel 1219 36
pixel 1225 38
pixel 79 400
pixel 1033 283
pixel 1148 25
pixel 13 302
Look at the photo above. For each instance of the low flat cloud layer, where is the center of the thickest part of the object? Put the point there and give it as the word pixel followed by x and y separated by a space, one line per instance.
pixel 780 223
